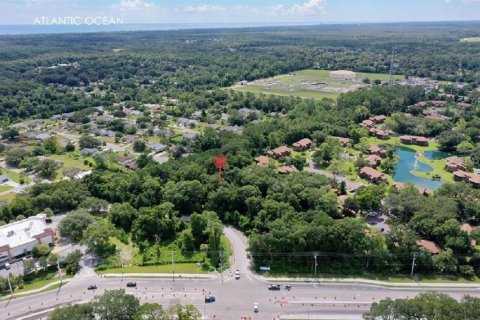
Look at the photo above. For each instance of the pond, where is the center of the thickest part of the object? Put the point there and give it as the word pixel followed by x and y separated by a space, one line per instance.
pixel 407 162
pixel 435 155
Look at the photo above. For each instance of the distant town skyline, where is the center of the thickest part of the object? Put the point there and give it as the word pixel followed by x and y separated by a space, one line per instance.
pixel 234 11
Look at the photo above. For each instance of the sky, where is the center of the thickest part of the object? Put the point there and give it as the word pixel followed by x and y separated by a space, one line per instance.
pixel 238 11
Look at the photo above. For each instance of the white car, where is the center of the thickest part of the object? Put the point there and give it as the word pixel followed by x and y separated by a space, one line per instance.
pixel 7 266
pixel 237 274
pixel 255 307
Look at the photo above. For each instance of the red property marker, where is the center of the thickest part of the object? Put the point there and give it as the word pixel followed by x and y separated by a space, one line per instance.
pixel 220 163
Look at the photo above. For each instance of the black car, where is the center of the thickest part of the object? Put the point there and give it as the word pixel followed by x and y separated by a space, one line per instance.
pixel 92 287
pixel 209 299
pixel 274 287
pixel 131 284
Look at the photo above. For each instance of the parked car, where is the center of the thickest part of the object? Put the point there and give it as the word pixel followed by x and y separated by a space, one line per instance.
pixel 237 274
pixel 255 307
pixel 209 299
pixel 7 266
pixel 92 287
pixel 274 287
pixel 131 284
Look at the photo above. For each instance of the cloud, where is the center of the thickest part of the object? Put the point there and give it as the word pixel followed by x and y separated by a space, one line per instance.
pixel 309 8
pixel 132 4
pixel 204 9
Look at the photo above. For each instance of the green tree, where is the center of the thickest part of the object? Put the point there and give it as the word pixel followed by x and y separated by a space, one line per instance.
pixel 122 215
pixel 74 312
pixel 96 237
pixel 185 312
pixel 71 262
pixel 139 146
pixel 151 311
pixel 41 250
pixel 73 225
pixel 115 305
pixel 46 169
pixel 51 145
pixel 89 142
pixel 70 147
pixel 369 197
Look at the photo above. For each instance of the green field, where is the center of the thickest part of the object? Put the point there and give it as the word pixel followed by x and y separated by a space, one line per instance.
pixel 5 188
pixel 472 39
pixel 315 84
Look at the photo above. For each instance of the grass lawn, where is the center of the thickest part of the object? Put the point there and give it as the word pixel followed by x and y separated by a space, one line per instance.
pixel 14 176
pixel 168 268
pixel 5 188
pixel 70 160
pixel 316 84
pixel 7 197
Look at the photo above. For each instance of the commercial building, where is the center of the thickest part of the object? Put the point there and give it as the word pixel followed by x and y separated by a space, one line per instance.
pixel 20 237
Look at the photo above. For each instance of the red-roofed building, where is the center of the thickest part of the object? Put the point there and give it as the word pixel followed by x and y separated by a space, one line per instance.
pixel 420 141
pixel 367 124
pixel 455 164
pixel 373 175
pixel 262 161
pixel 287 169
pixel 373 160
pixel 421 104
pixel 466 227
pixel 379 119
pixel 279 152
pixel 437 103
pixel 343 141
pixel 429 246
pixel 463 105
pixel 302 145
pixel 461 175
pixel 379 151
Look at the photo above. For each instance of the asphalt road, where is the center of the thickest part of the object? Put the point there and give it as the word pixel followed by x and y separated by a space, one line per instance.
pixel 235 298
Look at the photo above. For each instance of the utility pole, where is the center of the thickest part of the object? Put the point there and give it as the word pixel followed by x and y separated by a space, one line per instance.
pixel 59 271
pixel 173 268
pixel 315 257
pixel 221 265
pixel 121 260
pixel 413 264
pixel 10 285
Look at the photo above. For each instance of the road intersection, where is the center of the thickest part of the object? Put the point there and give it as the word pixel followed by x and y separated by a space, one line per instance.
pixel 234 298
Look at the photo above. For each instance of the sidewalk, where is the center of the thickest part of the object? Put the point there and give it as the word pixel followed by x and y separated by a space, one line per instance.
pixel 371 282
pixel 25 293
pixel 178 276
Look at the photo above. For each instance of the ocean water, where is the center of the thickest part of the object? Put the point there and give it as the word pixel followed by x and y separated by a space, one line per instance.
pixel 84 28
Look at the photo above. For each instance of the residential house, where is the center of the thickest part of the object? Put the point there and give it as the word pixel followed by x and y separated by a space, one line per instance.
pixel 343 141
pixel 381 134
pixel 473 179
pixel 373 175
pixel 379 151
pixel 373 160
pixel 429 246
pixel 421 104
pixel 379 119
pixel 463 105
pixel 423 191
pixel 367 124
pixel 124 160
pixel 279 152
pixel 437 103
pixel 302 144
pixel 287 170
pixel 156 148
pixel 420 141
pixel 262 161
pixel 455 164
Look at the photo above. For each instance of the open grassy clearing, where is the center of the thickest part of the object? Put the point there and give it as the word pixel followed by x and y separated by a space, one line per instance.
pixel 7 197
pixel 316 84
pixel 471 40
pixel 5 188
pixel 14 176
pixel 168 268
